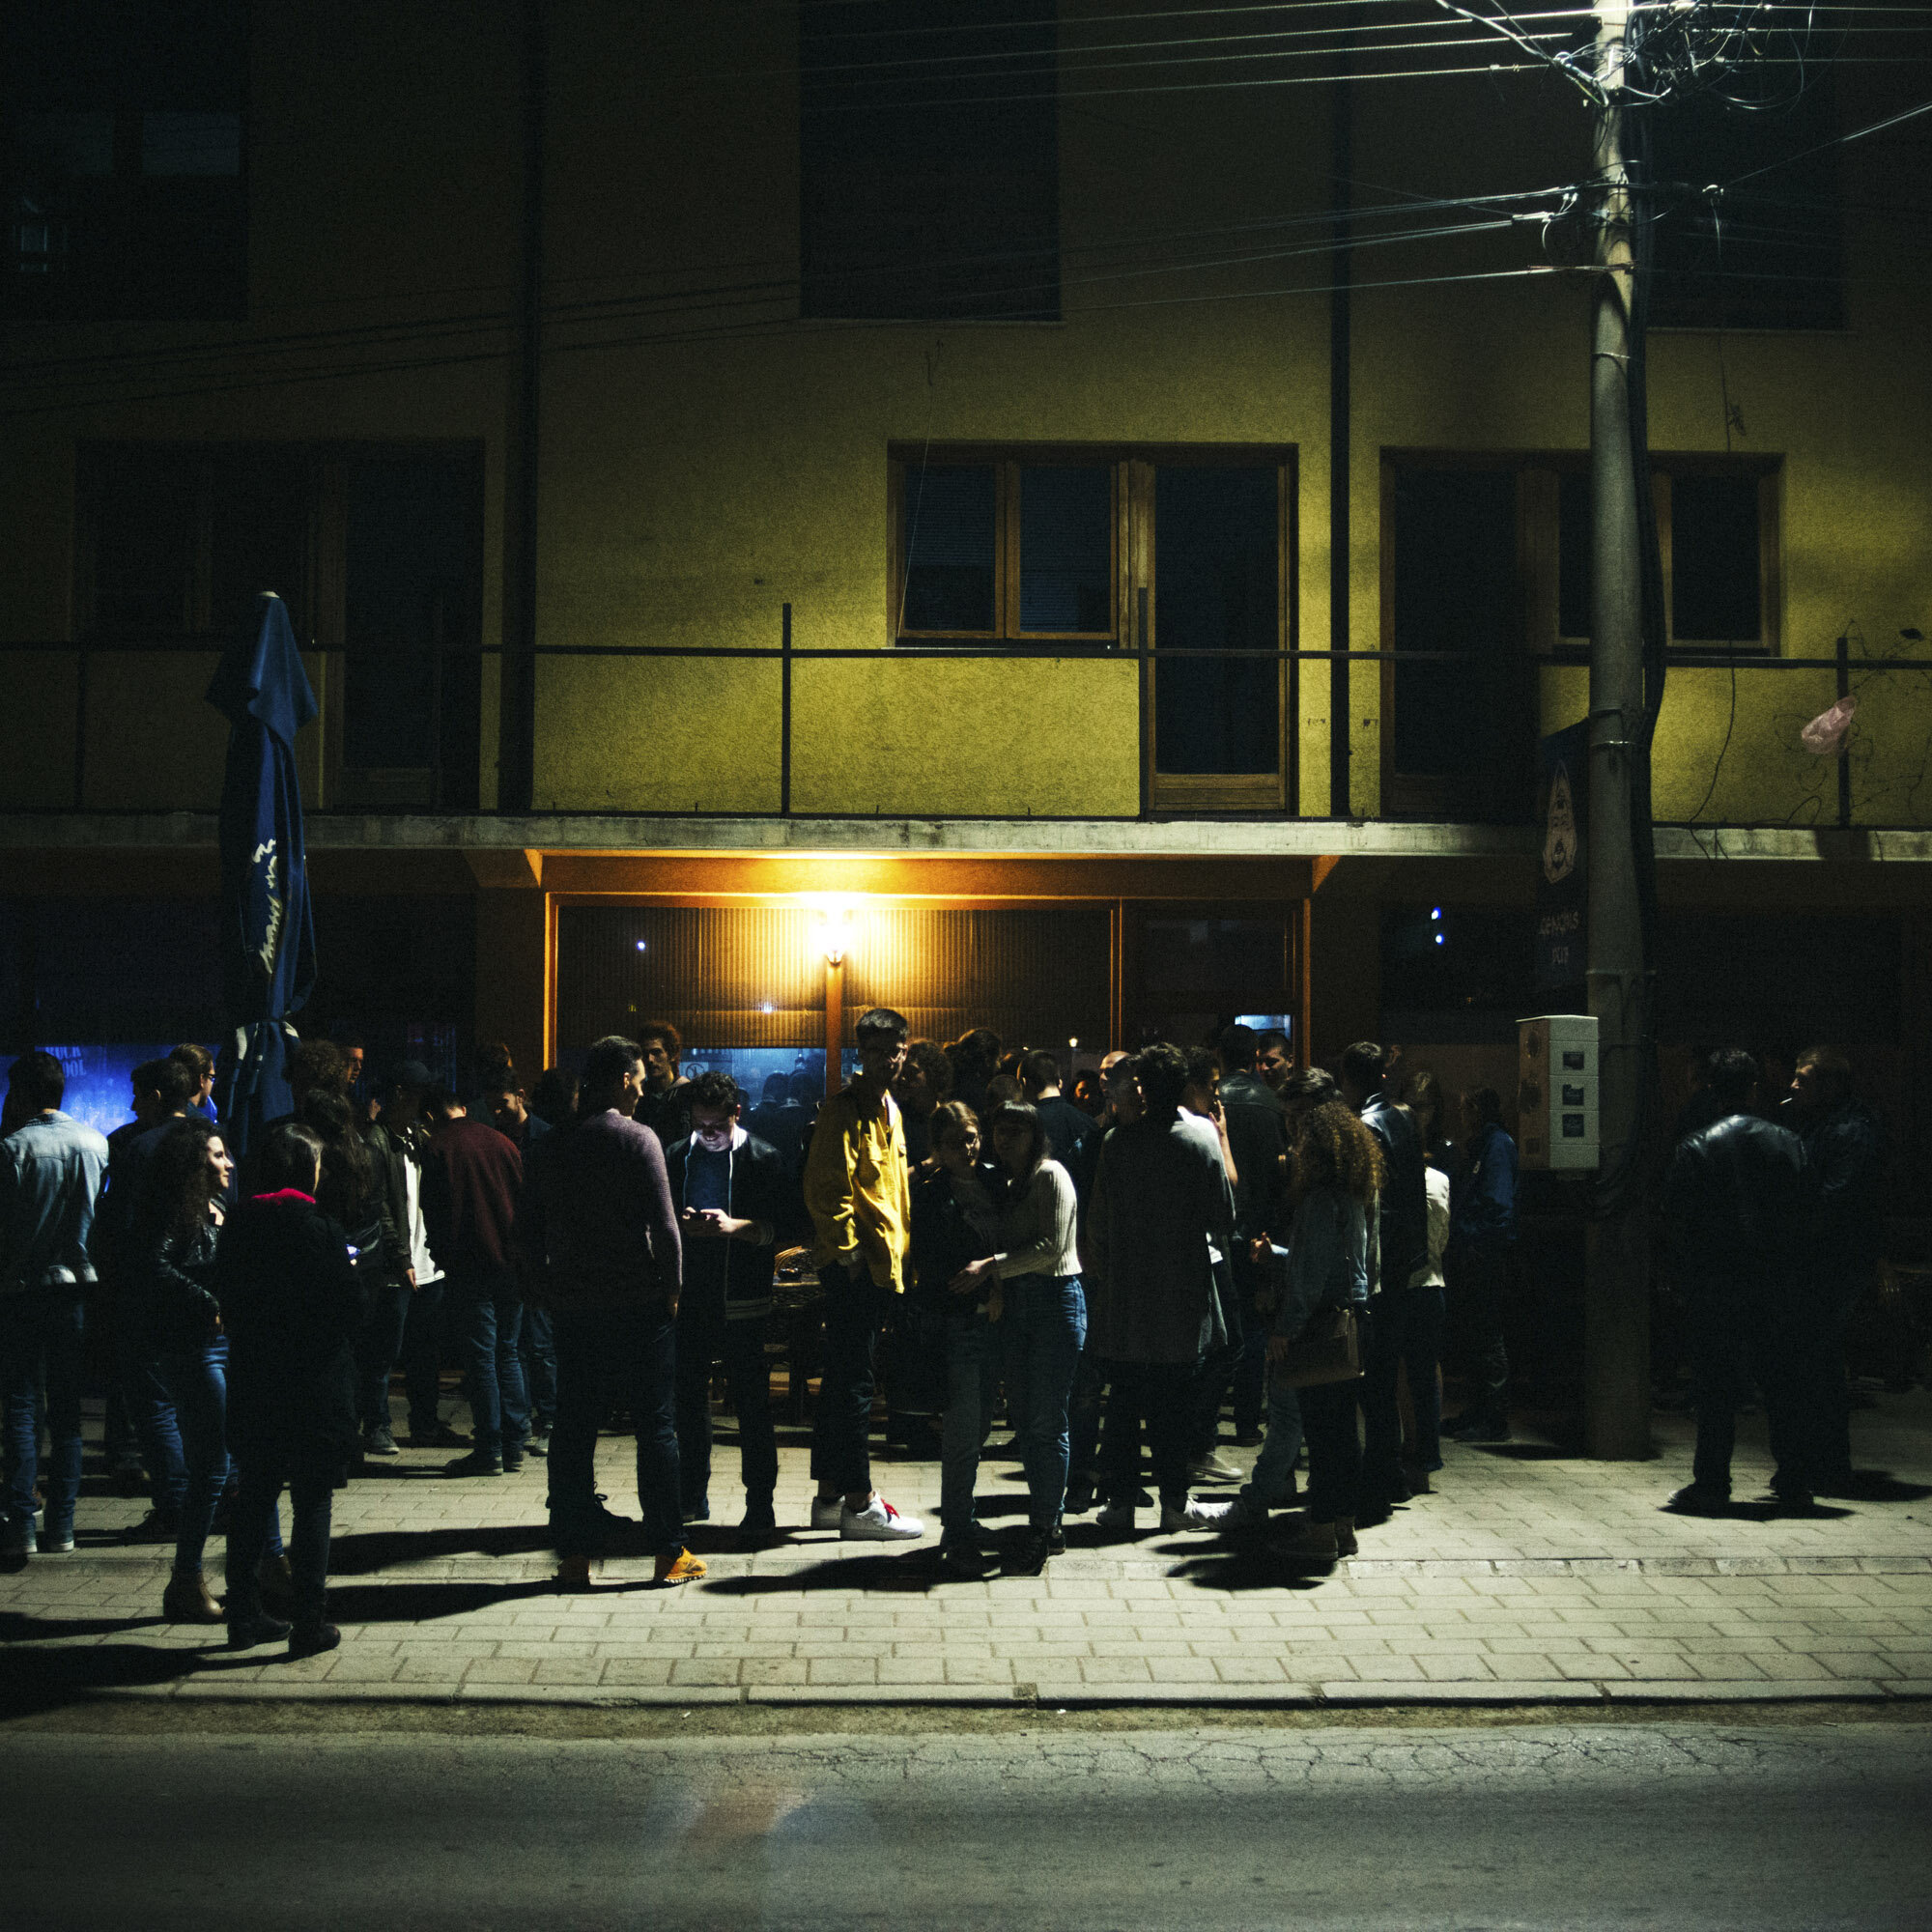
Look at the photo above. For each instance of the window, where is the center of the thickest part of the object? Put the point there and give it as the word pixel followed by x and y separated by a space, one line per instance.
pixel 1769 255
pixel 378 553
pixel 1013 547
pixel 121 141
pixel 1716 526
pixel 929 160
pixel 1191 549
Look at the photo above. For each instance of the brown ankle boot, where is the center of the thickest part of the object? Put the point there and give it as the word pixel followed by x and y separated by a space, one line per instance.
pixel 187 1600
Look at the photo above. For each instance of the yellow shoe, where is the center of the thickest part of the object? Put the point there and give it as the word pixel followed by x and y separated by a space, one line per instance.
pixel 683 1568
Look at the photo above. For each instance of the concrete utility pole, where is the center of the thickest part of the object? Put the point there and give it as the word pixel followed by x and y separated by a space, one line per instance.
pixel 1616 1271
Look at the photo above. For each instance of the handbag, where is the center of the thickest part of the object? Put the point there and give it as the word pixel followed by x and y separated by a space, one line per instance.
pixel 1329 1350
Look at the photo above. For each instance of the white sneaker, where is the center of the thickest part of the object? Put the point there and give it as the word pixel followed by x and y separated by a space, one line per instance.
pixel 1115 1516
pixel 1239 1514
pixel 1190 1516
pixel 879 1523
pixel 1215 1468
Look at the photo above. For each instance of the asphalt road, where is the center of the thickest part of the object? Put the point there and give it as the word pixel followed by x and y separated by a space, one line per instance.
pixel 1669 1825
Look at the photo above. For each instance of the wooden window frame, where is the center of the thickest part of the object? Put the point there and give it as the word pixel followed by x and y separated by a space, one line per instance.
pixel 1540 545
pixel 1135 602
pixel 1007 461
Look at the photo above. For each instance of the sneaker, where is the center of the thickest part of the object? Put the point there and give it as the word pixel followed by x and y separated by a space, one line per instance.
pixel 475 1464
pixel 56 1539
pixel 827 1512
pixel 1189 1516
pixel 537 1441
pixel 1243 1513
pixel 1215 1468
pixel 964 1562
pixel 513 1459
pixel 312 1640
pixel 1079 1498
pixel 245 1632
pixel 1115 1516
pixel 379 1440
pixel 878 1523
pixel 17 1541
pixel 1056 1539
pixel 683 1568
pixel 187 1600
pixel 1696 1499
pixel 1249 1439
pixel 696 1512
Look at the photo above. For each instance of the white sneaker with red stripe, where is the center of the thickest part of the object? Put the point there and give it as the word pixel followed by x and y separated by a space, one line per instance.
pixel 878 1523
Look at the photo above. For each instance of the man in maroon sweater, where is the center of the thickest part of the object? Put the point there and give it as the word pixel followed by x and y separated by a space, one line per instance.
pixel 472 1179
pixel 601 1239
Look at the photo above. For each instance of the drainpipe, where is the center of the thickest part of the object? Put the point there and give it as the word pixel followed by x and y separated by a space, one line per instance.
pixel 1341 165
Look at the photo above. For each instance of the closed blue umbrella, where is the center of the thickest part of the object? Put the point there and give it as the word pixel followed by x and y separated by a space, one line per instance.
pixel 268 935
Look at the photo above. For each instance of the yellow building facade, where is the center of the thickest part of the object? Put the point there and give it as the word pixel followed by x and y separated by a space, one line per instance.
pixel 574 271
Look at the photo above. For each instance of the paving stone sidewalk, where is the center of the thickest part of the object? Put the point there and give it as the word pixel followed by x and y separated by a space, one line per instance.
pixel 1526 1577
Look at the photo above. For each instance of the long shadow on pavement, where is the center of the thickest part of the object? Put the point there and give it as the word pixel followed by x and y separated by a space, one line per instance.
pixel 365 1551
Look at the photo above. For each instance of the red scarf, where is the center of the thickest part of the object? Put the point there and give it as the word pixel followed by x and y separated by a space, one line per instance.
pixel 286 1194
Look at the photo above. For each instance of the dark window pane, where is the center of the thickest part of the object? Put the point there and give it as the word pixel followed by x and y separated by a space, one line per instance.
pixel 413 591
pixel 143 542
pixel 948 525
pixel 1713 559
pixel 1067 551
pixel 1217 562
pixel 258 537
pixel 922 195
pixel 1455 591
pixel 1572 560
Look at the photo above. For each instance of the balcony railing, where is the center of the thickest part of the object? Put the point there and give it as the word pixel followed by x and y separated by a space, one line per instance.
pixel 946 731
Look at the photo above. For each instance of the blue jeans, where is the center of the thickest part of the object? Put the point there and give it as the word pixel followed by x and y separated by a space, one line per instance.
pixel 633 1353
pixel 40 1334
pixel 538 1349
pixel 197 1384
pixel 1274 1466
pixel 1040 1333
pixel 971 1383
pixel 487 1316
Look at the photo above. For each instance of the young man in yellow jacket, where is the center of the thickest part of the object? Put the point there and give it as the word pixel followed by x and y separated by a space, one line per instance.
pixel 857 1189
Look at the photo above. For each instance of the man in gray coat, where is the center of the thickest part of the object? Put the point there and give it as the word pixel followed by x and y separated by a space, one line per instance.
pixel 1159 1197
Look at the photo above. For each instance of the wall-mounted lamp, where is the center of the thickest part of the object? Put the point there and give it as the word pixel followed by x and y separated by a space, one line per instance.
pixel 832 933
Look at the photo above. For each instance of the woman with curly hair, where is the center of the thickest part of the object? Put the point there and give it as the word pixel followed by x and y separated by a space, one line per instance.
pixel 178 1328
pixel 1338 1172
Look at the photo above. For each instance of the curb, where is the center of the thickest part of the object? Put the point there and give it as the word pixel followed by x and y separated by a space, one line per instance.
pixel 1046 1695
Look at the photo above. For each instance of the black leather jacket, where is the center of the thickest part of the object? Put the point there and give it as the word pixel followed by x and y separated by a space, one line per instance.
pixel 1737 1202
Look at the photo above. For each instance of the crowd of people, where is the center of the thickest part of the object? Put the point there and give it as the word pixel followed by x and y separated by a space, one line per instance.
pixel 1186 1232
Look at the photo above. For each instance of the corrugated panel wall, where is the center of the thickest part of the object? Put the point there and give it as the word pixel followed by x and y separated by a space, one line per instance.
pixel 731 977
pixel 1037 979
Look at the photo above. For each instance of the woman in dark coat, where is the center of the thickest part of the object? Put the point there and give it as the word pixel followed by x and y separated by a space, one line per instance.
pixel 291 1304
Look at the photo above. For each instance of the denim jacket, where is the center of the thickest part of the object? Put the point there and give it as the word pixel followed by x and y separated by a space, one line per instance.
pixel 50 1175
pixel 1328 1259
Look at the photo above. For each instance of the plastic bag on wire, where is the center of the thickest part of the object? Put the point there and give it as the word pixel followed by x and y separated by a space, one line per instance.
pixel 1824 735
